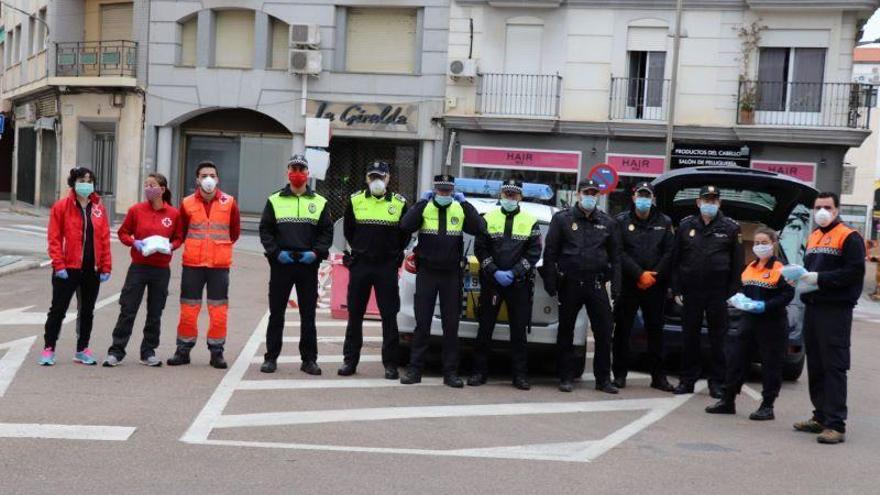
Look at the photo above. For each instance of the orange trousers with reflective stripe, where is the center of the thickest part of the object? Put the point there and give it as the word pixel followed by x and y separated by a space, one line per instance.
pixel 193 283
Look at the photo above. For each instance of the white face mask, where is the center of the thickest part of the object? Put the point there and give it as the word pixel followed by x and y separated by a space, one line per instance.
pixel 208 184
pixel 823 217
pixel 763 251
pixel 377 187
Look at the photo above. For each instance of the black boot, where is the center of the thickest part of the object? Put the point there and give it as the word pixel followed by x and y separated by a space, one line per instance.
pixel 476 380
pixel 347 369
pixel 684 388
pixel 180 357
pixel 606 387
pixel 661 383
pixel 217 360
pixel 310 368
pixel 411 377
pixel 566 386
pixel 727 405
pixel 521 383
pixel 391 372
pixel 453 380
pixel 716 391
pixel 269 366
pixel 619 381
pixel 764 412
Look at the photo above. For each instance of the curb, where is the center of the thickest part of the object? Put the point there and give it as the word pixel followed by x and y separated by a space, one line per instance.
pixel 20 266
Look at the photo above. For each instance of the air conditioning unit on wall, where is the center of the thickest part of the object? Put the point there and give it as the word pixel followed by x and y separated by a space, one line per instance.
pixel 305 62
pixel 305 35
pixel 466 67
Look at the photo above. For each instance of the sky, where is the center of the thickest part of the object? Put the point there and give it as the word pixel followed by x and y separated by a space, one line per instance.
pixel 872 29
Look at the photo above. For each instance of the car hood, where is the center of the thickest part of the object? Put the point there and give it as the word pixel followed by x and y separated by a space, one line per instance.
pixel 746 194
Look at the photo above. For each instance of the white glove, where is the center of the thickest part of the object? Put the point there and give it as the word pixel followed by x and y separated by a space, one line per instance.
pixel 811 278
pixel 679 300
pixel 793 272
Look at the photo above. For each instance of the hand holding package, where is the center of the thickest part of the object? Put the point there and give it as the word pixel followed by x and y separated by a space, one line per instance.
pixel 156 244
pixel 793 272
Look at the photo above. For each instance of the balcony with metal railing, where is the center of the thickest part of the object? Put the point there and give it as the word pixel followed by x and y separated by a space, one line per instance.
pixel 96 59
pixel 802 104
pixel 519 95
pixel 638 98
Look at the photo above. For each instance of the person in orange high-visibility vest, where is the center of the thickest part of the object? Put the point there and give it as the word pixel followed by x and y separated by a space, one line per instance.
pixel 210 224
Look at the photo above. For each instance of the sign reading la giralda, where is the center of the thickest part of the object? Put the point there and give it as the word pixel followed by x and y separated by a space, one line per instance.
pixel 366 116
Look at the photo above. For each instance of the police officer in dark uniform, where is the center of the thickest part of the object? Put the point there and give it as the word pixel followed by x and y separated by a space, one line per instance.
pixel 440 218
pixel 508 252
pixel 646 253
pixel 582 253
pixel 708 258
pixel 296 233
pixel 371 226
pixel 833 276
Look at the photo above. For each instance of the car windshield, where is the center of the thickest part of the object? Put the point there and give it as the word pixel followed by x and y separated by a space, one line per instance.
pixel 744 198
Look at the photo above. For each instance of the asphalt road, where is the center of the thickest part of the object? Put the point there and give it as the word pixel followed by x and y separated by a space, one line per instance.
pixel 200 430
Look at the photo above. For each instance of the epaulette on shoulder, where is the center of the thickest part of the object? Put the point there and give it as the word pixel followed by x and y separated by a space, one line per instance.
pixel 400 197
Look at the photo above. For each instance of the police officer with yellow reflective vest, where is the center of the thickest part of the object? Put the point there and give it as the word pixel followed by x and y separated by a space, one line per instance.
pixel 708 258
pixel 296 233
pixel 646 253
pixel 371 226
pixel 440 218
pixel 830 283
pixel 508 252
pixel 581 255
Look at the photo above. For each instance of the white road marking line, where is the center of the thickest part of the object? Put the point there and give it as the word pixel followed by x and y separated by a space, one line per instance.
pixel 589 377
pixel 331 339
pixel 21 231
pixel 16 352
pixel 334 323
pixel 752 393
pixel 325 384
pixel 290 418
pixel 45 263
pixel 66 432
pixel 21 316
pixel 203 424
pixel 322 359
pixel 107 300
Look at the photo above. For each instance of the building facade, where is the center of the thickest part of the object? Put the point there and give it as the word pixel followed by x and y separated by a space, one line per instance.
pixel 862 165
pixel 74 74
pixel 549 89
pixel 221 88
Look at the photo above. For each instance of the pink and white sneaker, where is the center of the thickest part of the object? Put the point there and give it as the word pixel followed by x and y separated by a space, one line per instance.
pixel 47 357
pixel 85 357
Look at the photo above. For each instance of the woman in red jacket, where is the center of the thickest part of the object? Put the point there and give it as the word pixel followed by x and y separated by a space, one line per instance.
pixel 150 228
pixel 79 246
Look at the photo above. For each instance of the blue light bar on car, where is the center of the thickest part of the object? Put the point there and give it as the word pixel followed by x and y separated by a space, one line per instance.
pixel 493 188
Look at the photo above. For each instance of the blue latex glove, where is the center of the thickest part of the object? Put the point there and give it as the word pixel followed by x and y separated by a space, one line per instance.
pixel 793 273
pixel 62 274
pixel 758 307
pixel 285 258
pixel 427 195
pixel 139 245
pixel 504 278
pixel 459 197
pixel 104 277
pixel 307 257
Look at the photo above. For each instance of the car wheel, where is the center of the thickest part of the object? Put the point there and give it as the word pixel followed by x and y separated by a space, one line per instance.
pixel 792 371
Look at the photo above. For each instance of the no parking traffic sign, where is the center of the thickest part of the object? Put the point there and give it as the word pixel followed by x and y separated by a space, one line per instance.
pixel 606 176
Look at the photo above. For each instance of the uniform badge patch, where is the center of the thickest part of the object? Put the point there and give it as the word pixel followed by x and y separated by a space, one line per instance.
pixel 97 213
pixel 632 227
pixel 826 240
pixel 453 221
pixel 166 222
pixel 692 233
pixel 574 226
pixel 224 199
pixel 392 210
pixel 767 275
pixel 313 207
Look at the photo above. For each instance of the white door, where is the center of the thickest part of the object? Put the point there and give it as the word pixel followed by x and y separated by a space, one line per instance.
pixel 519 89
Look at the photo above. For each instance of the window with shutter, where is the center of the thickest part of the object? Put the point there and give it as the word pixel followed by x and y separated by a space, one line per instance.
pixel 280 32
pixel 381 40
pixel 234 39
pixel 116 21
pixel 188 40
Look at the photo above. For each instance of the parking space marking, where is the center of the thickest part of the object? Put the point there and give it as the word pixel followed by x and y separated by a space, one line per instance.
pixel 322 359
pixel 66 432
pixel 211 416
pixel 12 359
pixel 752 392
pixel 335 323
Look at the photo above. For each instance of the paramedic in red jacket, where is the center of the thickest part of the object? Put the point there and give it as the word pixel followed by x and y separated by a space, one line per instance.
pixel 79 246
pixel 149 271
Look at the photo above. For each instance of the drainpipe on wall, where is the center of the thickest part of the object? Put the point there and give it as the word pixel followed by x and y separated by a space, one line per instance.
pixel 673 83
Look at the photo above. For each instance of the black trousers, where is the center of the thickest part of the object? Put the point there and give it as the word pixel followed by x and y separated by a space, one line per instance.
pixel 712 304
pixel 573 295
pixel 651 302
pixel 154 280
pixel 85 285
pixel 827 329
pixel 430 284
pixel 518 299
pixel 282 279
pixel 770 333
pixel 365 275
